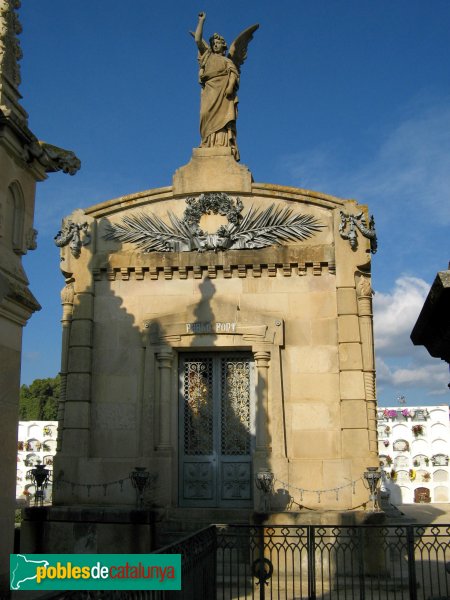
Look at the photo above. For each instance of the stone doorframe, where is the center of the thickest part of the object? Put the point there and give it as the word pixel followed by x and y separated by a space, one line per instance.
pixel 164 338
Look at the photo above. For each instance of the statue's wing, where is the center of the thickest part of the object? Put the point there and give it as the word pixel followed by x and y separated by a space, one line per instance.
pixel 238 49
pixel 205 43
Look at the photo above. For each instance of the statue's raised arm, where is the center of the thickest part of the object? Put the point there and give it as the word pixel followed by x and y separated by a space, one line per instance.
pixel 219 77
pixel 198 35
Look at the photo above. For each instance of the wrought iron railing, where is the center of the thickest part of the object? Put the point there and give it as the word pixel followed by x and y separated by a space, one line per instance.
pixel 367 562
pixel 328 562
pixel 198 567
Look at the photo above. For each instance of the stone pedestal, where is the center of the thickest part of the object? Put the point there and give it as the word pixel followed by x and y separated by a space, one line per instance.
pixel 212 170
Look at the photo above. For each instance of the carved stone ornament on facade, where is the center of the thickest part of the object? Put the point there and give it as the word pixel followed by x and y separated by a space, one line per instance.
pixel 72 234
pixel 68 293
pixel 255 229
pixel 31 238
pixel 52 157
pixel 364 289
pixel 10 51
pixel 351 223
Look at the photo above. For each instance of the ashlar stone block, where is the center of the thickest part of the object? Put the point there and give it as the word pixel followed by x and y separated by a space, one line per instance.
pixel 350 357
pixel 348 328
pixel 79 386
pixel 352 385
pixel 312 386
pixel 355 443
pixel 83 306
pixel 314 415
pixel 317 444
pixel 314 305
pixel 354 414
pixel 313 359
pixel 298 332
pixel 346 301
pixel 81 332
pixel 324 332
pixel 77 414
pixel 80 360
pixel 75 442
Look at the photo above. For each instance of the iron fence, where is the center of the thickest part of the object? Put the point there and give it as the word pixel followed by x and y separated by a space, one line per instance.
pixel 367 562
pixel 333 562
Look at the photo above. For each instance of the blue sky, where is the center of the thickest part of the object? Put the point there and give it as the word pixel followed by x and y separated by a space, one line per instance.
pixel 350 98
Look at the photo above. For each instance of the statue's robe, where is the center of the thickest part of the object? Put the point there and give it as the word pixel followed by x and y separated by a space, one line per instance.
pixel 217 113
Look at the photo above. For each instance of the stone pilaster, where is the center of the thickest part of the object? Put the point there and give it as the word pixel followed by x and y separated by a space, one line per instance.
pixel 364 294
pixel 262 359
pixel 78 380
pixel 353 405
pixel 164 360
pixel 67 297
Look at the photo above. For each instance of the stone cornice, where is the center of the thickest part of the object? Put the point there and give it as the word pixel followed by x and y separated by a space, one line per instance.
pixel 266 190
pixel 139 273
pixel 17 303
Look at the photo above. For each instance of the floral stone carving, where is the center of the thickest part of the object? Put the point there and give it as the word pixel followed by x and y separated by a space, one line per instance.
pixel 255 229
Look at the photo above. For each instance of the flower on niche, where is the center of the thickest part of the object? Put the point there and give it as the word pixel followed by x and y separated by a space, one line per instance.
pixel 412 474
pixel 386 443
pixel 417 430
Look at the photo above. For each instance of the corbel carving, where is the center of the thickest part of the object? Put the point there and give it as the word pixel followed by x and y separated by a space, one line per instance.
pixel 52 157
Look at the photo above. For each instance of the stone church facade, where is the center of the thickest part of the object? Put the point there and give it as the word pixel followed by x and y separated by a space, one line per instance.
pixel 213 330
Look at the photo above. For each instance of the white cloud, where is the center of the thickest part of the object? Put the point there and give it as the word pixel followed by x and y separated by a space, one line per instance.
pixel 431 375
pixel 396 313
pixel 401 366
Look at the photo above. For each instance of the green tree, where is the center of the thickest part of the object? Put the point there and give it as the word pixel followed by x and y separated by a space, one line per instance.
pixel 39 400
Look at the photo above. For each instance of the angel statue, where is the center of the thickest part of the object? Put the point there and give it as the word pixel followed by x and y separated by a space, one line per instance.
pixel 219 77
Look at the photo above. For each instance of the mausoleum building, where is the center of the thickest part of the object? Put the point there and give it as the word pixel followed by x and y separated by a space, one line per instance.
pixel 217 332
pixel 214 330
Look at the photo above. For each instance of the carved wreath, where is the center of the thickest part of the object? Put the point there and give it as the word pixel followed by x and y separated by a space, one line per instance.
pixel 255 229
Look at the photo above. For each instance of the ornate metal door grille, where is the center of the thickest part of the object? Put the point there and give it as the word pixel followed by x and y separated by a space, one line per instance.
pixel 216 429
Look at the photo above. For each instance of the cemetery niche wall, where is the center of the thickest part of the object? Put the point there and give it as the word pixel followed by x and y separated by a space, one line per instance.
pixel 214 331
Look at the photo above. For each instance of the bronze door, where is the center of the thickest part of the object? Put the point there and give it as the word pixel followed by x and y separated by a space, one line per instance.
pixel 216 429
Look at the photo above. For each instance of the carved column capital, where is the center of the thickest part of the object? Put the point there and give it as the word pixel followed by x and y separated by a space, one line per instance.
pixel 364 294
pixel 262 358
pixel 165 358
pixel 67 294
pixel 67 298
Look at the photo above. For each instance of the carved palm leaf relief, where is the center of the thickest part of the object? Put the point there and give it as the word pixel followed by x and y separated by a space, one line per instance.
pixel 256 229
